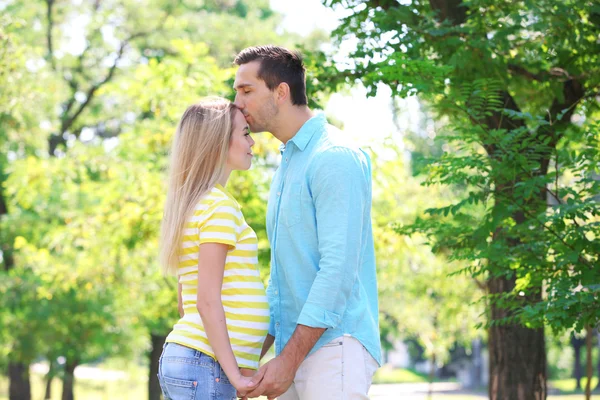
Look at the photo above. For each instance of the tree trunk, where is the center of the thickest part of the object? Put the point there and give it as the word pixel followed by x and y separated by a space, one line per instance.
pixel 597 389
pixel 431 376
pixel 48 393
pixel 476 373
pixel 577 372
pixel 18 373
pixel 19 386
pixel 49 379
pixel 69 379
pixel 154 391
pixel 589 369
pixel 517 354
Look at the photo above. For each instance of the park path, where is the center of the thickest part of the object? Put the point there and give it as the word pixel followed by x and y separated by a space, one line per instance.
pixel 396 391
pixel 419 391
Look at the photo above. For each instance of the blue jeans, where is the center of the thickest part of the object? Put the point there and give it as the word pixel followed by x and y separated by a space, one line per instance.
pixel 188 374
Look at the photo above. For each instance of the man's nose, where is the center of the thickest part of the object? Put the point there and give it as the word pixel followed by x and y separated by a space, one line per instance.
pixel 237 102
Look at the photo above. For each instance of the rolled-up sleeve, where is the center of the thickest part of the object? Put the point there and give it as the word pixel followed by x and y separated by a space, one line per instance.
pixel 340 186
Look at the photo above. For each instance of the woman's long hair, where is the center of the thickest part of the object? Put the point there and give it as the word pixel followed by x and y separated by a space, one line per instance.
pixel 198 159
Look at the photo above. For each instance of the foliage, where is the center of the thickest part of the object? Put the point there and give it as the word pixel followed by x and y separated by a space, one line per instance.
pixel 91 94
pixel 417 298
pixel 519 83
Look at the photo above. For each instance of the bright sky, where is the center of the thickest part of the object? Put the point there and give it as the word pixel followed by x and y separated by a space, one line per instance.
pixel 366 120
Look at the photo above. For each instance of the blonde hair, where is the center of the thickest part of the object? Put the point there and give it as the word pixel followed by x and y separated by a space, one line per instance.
pixel 198 159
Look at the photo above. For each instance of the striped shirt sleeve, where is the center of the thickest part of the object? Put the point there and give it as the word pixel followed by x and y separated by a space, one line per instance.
pixel 220 225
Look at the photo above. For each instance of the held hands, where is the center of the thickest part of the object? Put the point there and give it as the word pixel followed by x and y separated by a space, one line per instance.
pixel 273 379
pixel 243 382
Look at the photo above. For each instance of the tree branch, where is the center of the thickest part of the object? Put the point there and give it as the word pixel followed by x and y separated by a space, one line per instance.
pixel 67 123
pixel 573 93
pixel 452 10
pixel 50 55
pixel 481 285
pixel 68 120
pixel 517 69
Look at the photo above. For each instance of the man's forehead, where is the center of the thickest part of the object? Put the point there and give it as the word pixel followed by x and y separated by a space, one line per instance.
pixel 247 75
pixel 241 84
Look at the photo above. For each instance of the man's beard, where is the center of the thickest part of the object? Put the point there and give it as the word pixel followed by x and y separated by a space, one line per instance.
pixel 265 124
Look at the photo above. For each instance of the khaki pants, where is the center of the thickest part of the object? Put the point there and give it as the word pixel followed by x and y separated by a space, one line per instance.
pixel 340 370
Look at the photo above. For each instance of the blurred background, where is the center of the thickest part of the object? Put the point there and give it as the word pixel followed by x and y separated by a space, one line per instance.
pixel 481 118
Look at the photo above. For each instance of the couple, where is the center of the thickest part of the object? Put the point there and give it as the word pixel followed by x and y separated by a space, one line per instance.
pixel 320 308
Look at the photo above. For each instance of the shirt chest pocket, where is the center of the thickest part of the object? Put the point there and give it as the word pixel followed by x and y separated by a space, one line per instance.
pixel 291 205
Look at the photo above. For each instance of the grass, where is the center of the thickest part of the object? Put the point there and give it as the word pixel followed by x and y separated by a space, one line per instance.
pixel 135 385
pixel 387 374
pixel 568 385
pixel 84 389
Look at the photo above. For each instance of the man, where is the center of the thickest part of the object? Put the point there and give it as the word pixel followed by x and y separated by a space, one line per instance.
pixel 322 288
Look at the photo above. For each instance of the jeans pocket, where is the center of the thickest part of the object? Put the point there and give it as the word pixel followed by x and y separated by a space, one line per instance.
pixel 182 371
pixel 371 366
pixel 179 389
pixel 225 391
pixel 224 388
pixel 163 389
pixel 334 343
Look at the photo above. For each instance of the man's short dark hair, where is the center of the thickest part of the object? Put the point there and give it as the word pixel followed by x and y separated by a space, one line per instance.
pixel 277 65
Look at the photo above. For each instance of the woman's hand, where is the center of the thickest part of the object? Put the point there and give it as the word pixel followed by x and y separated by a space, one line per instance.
pixel 242 384
pixel 245 373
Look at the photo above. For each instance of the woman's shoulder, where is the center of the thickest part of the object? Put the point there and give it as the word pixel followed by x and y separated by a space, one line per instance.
pixel 216 198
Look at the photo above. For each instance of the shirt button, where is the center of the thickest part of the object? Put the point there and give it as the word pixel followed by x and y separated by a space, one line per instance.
pixel 278 193
pixel 277 325
pixel 286 159
pixel 276 291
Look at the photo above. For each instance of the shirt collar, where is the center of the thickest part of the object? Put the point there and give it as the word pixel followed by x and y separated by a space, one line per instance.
pixel 310 127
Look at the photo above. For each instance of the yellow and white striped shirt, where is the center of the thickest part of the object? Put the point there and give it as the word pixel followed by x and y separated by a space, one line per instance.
pixel 218 219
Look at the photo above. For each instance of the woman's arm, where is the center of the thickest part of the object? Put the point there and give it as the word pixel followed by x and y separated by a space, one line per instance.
pixel 211 266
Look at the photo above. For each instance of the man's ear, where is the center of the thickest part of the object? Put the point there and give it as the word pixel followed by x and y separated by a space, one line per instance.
pixel 282 93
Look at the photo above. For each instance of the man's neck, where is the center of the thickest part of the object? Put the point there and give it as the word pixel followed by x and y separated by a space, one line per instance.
pixel 292 122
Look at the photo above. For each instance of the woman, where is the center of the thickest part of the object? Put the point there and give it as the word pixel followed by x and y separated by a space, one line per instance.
pixel 216 345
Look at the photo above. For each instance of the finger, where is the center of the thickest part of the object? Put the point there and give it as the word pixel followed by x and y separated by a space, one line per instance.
pixel 257 392
pixel 257 378
pixel 274 392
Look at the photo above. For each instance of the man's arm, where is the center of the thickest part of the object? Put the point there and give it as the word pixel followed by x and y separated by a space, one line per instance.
pixel 340 187
pixel 269 340
pixel 340 193
pixel 297 348
pixel 276 376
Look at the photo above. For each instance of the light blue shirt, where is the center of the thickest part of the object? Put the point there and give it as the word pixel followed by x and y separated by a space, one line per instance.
pixel 319 227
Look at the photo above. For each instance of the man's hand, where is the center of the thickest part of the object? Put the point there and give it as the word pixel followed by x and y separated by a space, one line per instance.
pixel 274 378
